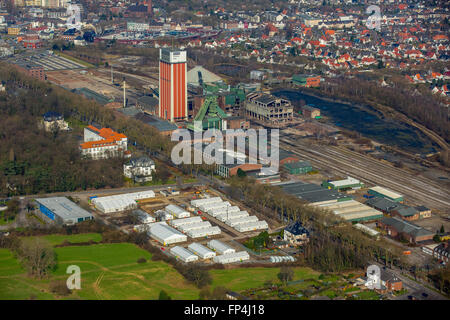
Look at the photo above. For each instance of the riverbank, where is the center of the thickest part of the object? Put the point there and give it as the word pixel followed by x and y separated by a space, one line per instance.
pixel 369 121
pixel 383 112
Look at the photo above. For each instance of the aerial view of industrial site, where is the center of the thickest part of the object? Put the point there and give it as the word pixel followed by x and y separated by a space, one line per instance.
pixel 234 157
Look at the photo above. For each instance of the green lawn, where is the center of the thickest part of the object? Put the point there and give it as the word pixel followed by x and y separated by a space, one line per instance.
pixel 108 271
pixel 111 271
pixel 55 239
pixel 3 221
pixel 368 295
pixel 245 278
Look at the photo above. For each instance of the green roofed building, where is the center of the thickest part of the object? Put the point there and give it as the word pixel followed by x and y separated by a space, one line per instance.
pixel 210 116
pixel 342 185
pixel 300 167
pixel 385 193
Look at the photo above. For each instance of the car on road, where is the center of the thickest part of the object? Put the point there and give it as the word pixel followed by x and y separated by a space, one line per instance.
pixel 424 294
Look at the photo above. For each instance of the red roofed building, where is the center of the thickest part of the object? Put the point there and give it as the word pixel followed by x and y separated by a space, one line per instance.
pixel 103 143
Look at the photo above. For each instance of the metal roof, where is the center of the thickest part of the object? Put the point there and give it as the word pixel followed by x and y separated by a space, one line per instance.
pixel 63 208
pixel 406 227
pixel 218 246
pixel 386 192
pixel 182 252
pixel 163 231
pixel 199 249
pixel 312 192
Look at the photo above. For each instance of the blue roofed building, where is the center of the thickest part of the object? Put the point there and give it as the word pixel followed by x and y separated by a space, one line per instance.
pixel 62 211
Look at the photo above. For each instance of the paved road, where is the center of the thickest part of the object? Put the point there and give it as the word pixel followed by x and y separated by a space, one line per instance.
pixel 104 192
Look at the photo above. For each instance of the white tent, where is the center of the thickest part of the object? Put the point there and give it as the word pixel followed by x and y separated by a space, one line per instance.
pixel 183 254
pixel 252 226
pixel 166 234
pixel 220 247
pixel 176 211
pixel 194 226
pixel 121 202
pixel 202 251
pixel 232 215
pixel 198 233
pixel 241 220
pixel 185 221
pixel 232 257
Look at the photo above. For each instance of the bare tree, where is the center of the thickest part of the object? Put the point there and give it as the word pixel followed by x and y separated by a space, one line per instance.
pixel 286 274
pixel 38 257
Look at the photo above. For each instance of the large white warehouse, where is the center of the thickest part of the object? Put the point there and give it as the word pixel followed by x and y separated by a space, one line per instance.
pixel 220 247
pixel 202 251
pixel 120 202
pixel 176 211
pixel 183 254
pixel 166 234
pixel 232 257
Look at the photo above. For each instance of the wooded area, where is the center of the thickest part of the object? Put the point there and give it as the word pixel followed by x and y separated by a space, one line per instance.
pixel 419 106
pixel 335 245
pixel 34 161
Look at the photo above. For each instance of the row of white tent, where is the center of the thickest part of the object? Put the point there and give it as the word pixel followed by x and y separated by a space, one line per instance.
pixel 165 234
pixel 176 211
pixel 195 227
pixel 227 254
pixel 195 251
pixel 277 259
pixel 121 202
pixel 231 215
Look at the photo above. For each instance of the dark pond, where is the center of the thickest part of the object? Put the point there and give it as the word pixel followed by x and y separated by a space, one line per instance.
pixel 351 117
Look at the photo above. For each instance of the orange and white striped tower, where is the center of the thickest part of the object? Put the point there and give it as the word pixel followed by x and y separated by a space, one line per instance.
pixel 172 85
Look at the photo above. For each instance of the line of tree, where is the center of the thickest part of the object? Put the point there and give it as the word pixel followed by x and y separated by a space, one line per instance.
pixel 334 246
pixel 415 103
pixel 33 161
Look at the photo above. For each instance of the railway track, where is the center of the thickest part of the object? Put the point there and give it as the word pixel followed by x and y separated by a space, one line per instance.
pixel 418 189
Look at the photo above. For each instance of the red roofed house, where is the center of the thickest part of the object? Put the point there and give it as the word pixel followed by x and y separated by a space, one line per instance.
pixel 103 143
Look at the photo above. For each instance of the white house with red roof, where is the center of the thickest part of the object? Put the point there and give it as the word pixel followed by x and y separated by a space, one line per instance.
pixel 103 143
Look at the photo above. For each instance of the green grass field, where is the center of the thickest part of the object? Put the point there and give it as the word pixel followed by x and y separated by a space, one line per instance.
pixel 108 271
pixel 4 222
pixel 241 279
pixel 55 239
pixel 111 271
